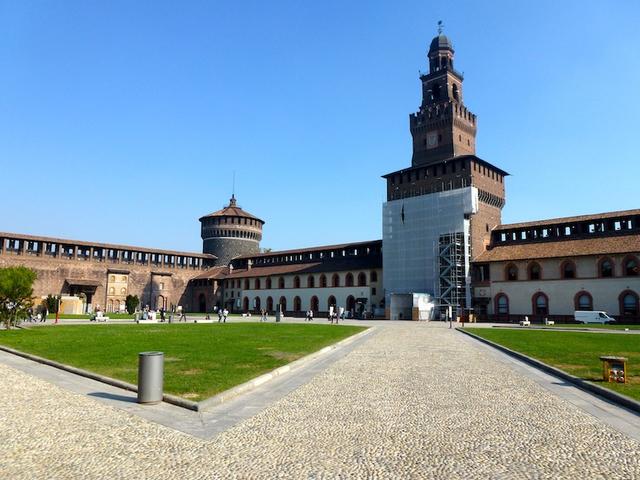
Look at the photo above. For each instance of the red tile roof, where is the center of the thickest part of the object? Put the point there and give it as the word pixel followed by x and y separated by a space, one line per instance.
pixel 272 270
pixel 231 210
pixel 310 249
pixel 565 248
pixel 579 218
pixel 214 273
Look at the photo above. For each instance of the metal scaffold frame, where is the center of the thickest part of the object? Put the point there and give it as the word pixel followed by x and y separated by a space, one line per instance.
pixel 451 272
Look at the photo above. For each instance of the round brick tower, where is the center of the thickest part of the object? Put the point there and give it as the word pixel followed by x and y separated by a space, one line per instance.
pixel 230 232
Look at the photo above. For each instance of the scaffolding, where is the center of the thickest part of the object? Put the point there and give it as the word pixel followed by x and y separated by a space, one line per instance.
pixel 451 272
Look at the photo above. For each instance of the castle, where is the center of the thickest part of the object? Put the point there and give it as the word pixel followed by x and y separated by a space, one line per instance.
pixel 442 236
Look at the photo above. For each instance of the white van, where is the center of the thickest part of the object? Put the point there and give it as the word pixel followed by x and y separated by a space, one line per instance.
pixel 592 317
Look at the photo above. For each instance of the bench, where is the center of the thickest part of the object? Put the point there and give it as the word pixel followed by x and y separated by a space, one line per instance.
pixel 100 317
pixel 549 322
pixel 149 320
pixel 525 323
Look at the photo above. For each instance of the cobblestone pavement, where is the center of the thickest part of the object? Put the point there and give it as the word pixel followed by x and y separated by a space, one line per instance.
pixel 414 401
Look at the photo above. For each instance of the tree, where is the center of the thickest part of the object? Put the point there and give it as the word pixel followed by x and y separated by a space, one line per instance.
pixel 16 294
pixel 131 303
pixel 51 303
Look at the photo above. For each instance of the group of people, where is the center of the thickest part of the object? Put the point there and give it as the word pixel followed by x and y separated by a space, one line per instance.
pixel 223 313
pixel 308 316
pixel 39 317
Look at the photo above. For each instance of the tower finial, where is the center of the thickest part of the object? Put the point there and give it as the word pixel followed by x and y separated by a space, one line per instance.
pixel 440 27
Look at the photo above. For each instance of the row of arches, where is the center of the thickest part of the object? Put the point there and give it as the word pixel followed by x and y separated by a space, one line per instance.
pixel 606 268
pixel 628 300
pixel 310 282
pixel 233 234
pixel 297 307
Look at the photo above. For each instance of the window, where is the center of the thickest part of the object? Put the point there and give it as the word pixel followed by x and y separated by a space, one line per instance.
pixel 534 271
pixel 348 281
pixel 123 291
pixel 161 286
pixel 112 278
pixel 568 270
pixel 296 282
pixel 373 276
pixel 281 282
pixel 502 304
pixel 630 267
pixel 540 304
pixel 311 281
pixel 583 301
pixel 323 281
pixel 256 284
pixel 511 272
pixel 268 282
pixel 362 279
pixel 335 280
pixel 629 304
pixel 605 268
pixel 297 304
pixel 246 285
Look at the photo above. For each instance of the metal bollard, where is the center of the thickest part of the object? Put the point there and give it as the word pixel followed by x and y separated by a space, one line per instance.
pixel 150 377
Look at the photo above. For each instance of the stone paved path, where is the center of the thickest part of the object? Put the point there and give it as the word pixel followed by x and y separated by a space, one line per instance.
pixel 414 401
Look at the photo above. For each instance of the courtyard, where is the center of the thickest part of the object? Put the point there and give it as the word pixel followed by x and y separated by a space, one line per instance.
pixel 411 400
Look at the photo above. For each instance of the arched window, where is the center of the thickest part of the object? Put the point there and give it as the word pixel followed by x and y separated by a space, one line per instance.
pixel 568 269
pixel 605 268
pixel 630 266
pixel 335 280
pixel 373 276
pixel 297 304
pixel 112 291
pixel 331 302
pixel 311 281
pixel 348 281
pixel 511 272
pixel 314 304
pixel 246 284
pixel 268 283
pixel 502 304
pixel 256 284
pixel 323 281
pixel 540 304
pixel 256 303
pixel 123 291
pixel 245 304
pixel 629 304
pixel 435 91
pixel 281 282
pixel 351 304
pixel 296 282
pixel 283 304
pixel 456 96
pixel 583 301
pixel 535 272
pixel 269 304
pixel 362 279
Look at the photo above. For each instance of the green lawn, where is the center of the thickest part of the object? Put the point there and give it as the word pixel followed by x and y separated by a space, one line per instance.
pixel 200 359
pixel 596 325
pixel 574 352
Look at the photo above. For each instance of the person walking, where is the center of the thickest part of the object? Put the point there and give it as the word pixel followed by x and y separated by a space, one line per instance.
pixel 310 315
pixel 219 315
pixel 224 315
pixel 183 317
pixel 263 315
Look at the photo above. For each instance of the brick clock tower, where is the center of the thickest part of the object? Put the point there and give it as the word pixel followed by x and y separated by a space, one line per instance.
pixel 443 127
pixel 439 211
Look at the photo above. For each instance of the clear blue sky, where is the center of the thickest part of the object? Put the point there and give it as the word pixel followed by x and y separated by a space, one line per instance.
pixel 124 121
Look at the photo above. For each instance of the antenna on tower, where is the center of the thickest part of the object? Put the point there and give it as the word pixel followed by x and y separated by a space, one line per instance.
pixel 440 27
pixel 233 185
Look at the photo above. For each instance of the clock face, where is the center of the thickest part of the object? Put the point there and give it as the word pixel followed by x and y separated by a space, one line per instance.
pixel 432 140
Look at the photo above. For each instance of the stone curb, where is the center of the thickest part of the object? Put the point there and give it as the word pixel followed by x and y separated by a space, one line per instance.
pixel 181 402
pixel 254 383
pixel 614 397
